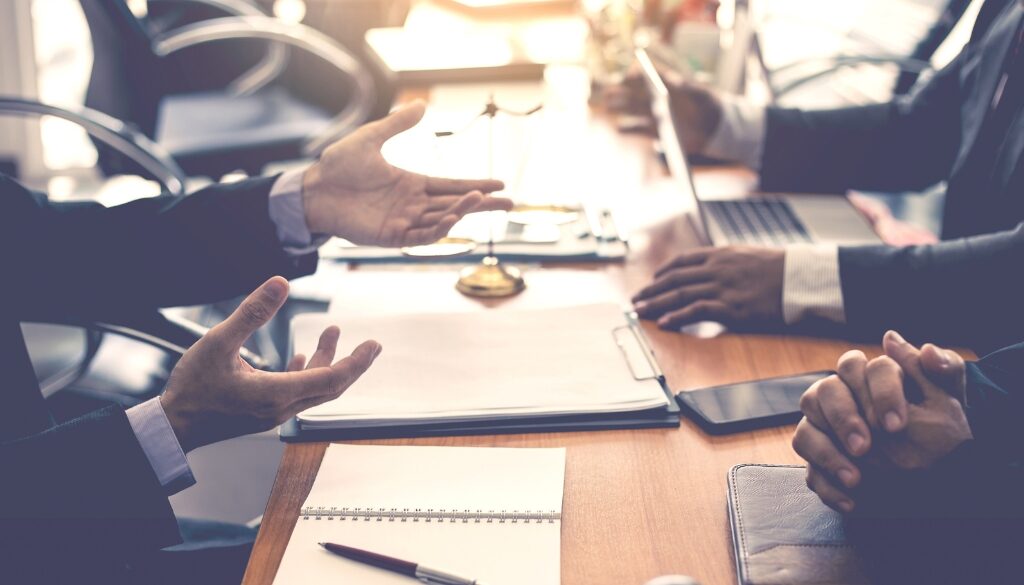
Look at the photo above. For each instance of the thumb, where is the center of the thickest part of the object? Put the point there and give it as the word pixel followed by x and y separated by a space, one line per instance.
pixel 945 369
pixel 396 122
pixel 254 312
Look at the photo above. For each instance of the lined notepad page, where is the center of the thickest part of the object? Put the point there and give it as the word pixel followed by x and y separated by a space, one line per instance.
pixel 384 481
pixel 483 365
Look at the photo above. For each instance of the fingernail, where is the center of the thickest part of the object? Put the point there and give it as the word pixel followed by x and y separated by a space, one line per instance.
pixel 663 322
pixel 376 353
pixel 276 289
pixel 846 476
pixel 846 506
pixel 855 441
pixel 897 337
pixel 892 422
pixel 641 306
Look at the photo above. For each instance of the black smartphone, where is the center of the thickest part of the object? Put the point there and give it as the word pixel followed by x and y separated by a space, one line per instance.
pixel 734 408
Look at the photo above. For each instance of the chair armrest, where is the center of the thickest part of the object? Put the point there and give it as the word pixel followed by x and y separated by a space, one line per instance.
pixel 111 131
pixel 267 70
pixel 355 112
pixel 173 335
pixel 830 65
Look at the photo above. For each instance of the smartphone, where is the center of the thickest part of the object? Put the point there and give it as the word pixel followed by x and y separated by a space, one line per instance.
pixel 750 405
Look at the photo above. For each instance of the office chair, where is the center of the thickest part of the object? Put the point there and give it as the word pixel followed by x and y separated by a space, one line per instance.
pixel 785 80
pixel 65 350
pixel 251 122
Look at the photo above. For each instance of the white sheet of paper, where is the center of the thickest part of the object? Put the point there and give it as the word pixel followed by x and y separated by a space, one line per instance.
pixel 371 476
pixel 485 364
pixel 373 293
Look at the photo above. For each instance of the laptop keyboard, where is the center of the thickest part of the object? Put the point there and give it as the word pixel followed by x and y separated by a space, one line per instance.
pixel 766 222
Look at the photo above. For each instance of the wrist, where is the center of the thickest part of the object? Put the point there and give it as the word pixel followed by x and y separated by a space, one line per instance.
pixel 179 422
pixel 312 187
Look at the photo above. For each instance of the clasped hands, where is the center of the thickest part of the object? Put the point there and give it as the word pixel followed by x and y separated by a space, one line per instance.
pixel 903 411
pixel 351 192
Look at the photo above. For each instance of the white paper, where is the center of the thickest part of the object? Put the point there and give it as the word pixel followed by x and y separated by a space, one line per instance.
pixel 483 365
pixel 374 477
pixel 373 293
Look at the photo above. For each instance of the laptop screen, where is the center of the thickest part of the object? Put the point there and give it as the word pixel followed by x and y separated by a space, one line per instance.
pixel 671 146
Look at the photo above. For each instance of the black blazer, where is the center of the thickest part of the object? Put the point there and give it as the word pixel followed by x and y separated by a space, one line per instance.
pixel 962 290
pixel 79 500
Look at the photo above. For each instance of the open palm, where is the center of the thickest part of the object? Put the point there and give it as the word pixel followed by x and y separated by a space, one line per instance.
pixel 352 192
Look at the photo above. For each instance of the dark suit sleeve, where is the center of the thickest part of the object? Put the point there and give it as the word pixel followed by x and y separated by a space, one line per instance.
pixel 907 144
pixel 85 260
pixel 79 499
pixel 966 291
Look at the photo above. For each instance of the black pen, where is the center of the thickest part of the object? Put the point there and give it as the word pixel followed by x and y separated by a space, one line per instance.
pixel 408 568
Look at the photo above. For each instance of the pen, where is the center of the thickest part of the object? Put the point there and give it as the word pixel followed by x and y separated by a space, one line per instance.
pixel 423 573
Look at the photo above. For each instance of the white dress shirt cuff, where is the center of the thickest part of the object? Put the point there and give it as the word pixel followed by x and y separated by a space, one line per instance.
pixel 289 215
pixel 811 285
pixel 740 133
pixel 160 445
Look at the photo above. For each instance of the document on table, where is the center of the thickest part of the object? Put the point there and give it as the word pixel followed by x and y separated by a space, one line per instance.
pixel 486 365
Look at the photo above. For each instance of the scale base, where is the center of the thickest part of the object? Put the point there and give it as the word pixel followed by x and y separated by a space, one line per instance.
pixel 490 279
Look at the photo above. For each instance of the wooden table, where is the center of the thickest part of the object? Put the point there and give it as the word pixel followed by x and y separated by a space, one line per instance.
pixel 638 503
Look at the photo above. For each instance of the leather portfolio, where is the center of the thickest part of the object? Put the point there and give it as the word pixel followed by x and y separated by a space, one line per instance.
pixel 782 533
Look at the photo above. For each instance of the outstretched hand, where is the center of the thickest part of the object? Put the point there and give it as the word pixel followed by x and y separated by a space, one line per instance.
pixel 354 193
pixel 213 395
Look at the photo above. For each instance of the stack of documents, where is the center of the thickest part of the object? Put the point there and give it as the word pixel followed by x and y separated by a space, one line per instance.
pixel 488 366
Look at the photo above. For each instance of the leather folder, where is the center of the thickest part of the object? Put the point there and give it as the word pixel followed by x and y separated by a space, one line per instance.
pixel 783 534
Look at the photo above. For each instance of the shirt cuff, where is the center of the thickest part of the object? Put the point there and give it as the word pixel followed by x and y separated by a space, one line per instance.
pixel 740 133
pixel 289 215
pixel 160 445
pixel 811 285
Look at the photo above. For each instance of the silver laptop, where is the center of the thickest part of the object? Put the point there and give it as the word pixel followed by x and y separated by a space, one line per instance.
pixel 768 220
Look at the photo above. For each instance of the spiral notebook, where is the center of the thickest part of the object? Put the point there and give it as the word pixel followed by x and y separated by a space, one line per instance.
pixel 484 513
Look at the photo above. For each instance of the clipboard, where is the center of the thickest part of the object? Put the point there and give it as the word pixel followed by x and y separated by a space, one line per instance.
pixel 636 351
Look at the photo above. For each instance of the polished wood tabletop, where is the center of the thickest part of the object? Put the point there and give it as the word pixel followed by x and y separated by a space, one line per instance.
pixel 638 503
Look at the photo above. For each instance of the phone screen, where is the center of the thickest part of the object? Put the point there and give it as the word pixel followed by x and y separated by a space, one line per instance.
pixel 776 400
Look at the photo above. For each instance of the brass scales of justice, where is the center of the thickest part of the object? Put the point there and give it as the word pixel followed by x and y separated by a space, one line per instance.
pixel 490 278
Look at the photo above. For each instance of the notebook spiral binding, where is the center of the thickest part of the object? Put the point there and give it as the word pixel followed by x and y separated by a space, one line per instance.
pixel 429 515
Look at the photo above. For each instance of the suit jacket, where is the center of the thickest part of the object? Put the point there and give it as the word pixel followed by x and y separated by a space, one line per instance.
pixel 78 499
pixel 910 144
pixel 961 521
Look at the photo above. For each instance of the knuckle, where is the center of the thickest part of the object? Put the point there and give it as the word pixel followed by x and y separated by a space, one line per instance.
pixel 797 440
pixel 882 364
pixel 850 362
pixel 809 401
pixel 831 386
pixel 801 438
pixel 849 421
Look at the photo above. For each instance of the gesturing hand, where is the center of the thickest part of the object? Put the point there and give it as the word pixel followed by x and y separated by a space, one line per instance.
pixel 213 395
pixel 352 192
pixel 871 412
pixel 735 285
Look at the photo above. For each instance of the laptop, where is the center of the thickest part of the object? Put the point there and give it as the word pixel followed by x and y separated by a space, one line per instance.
pixel 766 220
